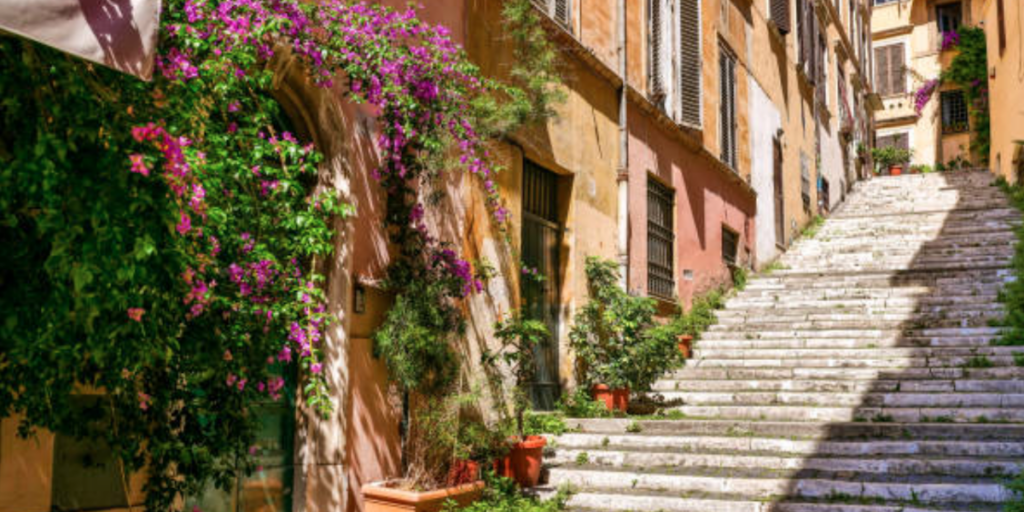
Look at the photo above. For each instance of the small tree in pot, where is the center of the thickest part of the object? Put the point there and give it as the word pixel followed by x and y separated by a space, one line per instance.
pixel 891 158
pixel 520 338
pixel 618 345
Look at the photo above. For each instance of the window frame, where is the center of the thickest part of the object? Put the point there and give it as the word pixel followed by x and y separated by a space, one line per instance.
pixel 727 118
pixel 962 123
pixel 661 281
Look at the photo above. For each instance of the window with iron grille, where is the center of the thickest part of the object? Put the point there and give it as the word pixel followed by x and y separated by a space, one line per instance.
pixel 730 245
pixel 727 105
pixel 660 240
pixel 954 112
pixel 558 10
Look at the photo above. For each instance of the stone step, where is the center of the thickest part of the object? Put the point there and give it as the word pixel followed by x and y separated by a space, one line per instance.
pixel 718 332
pixel 758 317
pixel 711 351
pixel 766 301
pixel 896 363
pixel 899 434
pixel 899 399
pixel 896 341
pixel 609 500
pixel 868 374
pixel 667 456
pixel 853 413
pixel 844 386
pixel 856 449
pixel 770 324
pixel 961 490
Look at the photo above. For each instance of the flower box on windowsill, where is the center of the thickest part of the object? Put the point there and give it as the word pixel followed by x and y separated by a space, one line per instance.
pixel 388 497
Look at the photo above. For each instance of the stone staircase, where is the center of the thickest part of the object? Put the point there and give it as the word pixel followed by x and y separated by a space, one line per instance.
pixel 859 377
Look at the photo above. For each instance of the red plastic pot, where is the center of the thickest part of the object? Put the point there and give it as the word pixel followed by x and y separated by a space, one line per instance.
pixel 523 461
pixel 614 399
pixel 895 170
pixel 685 343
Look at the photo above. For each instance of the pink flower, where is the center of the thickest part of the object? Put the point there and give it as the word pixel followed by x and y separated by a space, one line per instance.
pixel 136 314
pixel 184 225
pixel 316 368
pixel 144 401
pixel 138 166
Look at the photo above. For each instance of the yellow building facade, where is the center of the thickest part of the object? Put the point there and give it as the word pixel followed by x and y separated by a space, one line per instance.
pixel 1004 25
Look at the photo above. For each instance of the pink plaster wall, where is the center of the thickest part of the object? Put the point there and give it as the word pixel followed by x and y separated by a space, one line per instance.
pixel 705 200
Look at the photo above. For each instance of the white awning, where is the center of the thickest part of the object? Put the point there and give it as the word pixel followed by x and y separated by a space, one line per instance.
pixel 121 34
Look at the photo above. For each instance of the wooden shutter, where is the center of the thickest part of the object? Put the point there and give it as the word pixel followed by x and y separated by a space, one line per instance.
pixel 560 11
pixel 897 69
pixel 1000 18
pixel 805 37
pixel 780 15
pixel 657 85
pixel 690 60
pixel 727 103
pixel 882 70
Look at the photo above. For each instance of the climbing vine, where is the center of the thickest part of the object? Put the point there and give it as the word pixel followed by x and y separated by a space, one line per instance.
pixel 969 71
pixel 163 238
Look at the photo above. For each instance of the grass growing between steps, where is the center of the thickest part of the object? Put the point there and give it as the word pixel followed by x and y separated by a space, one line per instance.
pixel 1012 294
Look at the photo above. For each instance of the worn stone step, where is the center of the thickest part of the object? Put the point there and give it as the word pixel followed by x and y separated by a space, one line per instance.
pixel 608 500
pixel 910 361
pixel 965 490
pixel 711 351
pixel 650 457
pixel 858 413
pixel 861 449
pixel 843 386
pixel 901 434
pixel 967 342
pixel 721 332
pixel 799 373
pixel 964 399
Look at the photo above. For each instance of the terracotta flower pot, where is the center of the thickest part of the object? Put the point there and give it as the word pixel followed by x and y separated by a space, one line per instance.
pixel 685 343
pixel 614 399
pixel 463 472
pixel 523 462
pixel 895 170
pixel 384 497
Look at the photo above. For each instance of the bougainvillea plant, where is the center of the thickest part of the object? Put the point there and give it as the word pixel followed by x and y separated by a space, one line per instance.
pixel 969 71
pixel 163 238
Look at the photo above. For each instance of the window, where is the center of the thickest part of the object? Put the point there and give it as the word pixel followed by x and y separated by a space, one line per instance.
pixel 660 54
pixel 805 181
pixel 730 245
pixel 690 60
pixel 557 10
pixel 890 69
pixel 807 29
pixel 883 2
pixel 823 64
pixel 660 240
pixel 780 15
pixel 727 105
pixel 954 112
pixel 948 17
pixel 1000 19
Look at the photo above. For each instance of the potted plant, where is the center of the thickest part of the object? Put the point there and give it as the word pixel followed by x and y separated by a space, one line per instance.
pixel 416 343
pixel 520 339
pixel 443 449
pixel 619 348
pixel 891 158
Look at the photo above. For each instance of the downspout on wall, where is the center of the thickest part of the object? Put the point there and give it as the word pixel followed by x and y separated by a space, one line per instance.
pixel 622 175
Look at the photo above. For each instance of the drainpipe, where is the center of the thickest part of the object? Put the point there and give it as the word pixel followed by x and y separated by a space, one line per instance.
pixel 622 175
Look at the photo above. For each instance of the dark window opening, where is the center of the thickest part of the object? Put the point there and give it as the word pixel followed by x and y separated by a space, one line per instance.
pixel 948 17
pixel 954 112
pixel 660 240
pixel 730 246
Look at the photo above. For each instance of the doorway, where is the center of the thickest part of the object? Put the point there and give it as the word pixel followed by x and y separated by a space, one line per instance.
pixel 539 282
pixel 780 201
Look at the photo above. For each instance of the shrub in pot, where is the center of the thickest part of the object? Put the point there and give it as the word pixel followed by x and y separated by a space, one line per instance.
pixel 520 339
pixel 416 342
pixel 891 158
pixel 619 347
